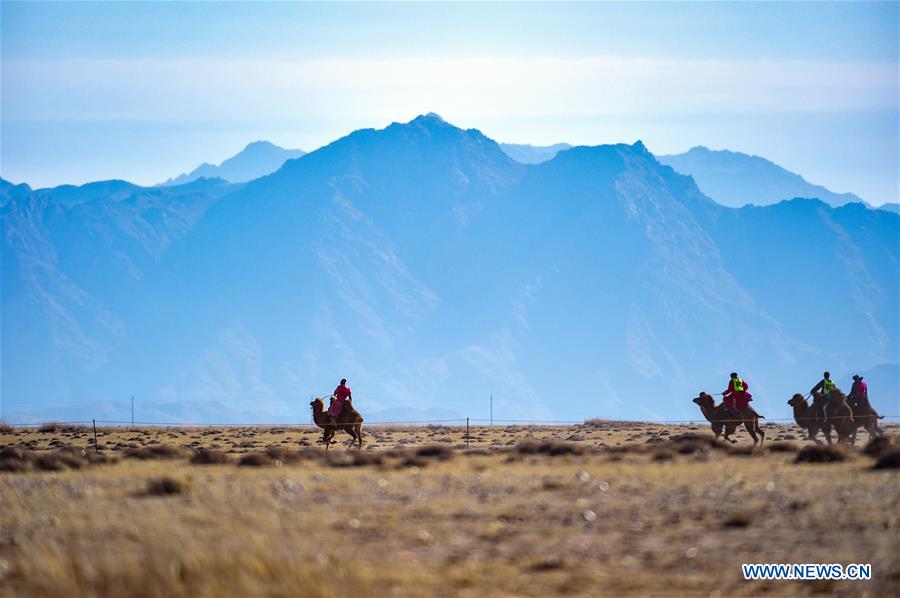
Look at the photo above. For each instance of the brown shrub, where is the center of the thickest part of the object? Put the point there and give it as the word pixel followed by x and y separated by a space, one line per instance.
pixel 413 461
pixel 165 486
pixel 49 463
pixel 663 455
pixel 820 454
pixel 49 427
pixel 741 451
pixel 783 447
pixel 206 456
pixel 14 465
pixel 889 459
pixel 156 451
pixel 17 452
pixel 876 446
pixel 355 459
pixel 442 452
pixel 256 460
pixel 5 428
pixel 549 447
pixel 737 520
pixel 284 455
pixel 695 438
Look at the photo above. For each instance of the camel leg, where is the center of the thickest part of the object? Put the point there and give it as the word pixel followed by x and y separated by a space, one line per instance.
pixel 748 425
pixel 729 430
pixel 826 431
pixel 717 430
pixel 359 434
pixel 762 434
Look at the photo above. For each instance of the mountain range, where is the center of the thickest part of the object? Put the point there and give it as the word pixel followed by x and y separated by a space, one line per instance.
pixel 255 160
pixel 432 270
pixel 735 179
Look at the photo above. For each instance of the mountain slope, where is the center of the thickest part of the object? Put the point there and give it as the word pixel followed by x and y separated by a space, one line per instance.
pixel 72 274
pixel 424 264
pixel 735 179
pixel 255 160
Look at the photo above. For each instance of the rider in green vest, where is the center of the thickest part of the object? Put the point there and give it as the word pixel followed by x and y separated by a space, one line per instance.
pixel 825 386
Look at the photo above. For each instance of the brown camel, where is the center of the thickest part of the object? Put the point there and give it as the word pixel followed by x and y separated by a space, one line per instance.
pixel 722 419
pixel 865 416
pixel 805 416
pixel 350 421
pixel 838 415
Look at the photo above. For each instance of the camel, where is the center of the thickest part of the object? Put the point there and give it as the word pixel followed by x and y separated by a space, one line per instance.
pixel 865 416
pixel 719 418
pixel 350 421
pixel 805 416
pixel 839 415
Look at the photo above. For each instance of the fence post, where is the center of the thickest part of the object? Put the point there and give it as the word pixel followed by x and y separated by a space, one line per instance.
pixel 467 432
pixel 96 448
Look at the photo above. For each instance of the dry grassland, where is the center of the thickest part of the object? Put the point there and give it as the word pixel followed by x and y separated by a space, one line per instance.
pixel 603 510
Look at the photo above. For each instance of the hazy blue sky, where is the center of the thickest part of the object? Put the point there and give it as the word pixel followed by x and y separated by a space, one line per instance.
pixel 144 91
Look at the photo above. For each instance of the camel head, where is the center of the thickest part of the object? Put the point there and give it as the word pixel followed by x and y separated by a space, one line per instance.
pixel 317 402
pixel 705 400
pixel 798 401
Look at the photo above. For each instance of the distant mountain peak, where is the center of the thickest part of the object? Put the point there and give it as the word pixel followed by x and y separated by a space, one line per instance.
pixel 260 144
pixel 257 159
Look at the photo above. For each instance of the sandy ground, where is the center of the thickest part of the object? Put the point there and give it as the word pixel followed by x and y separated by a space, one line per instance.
pixel 610 509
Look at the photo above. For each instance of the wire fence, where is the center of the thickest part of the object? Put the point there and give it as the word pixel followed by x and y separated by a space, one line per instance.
pixel 481 422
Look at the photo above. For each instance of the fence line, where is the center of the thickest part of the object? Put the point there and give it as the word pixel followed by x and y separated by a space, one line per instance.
pixel 460 421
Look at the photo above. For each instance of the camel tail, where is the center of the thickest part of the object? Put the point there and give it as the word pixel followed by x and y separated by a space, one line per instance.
pixel 760 416
pixel 880 417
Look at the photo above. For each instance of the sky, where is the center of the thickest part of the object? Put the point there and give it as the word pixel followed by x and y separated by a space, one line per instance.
pixel 145 91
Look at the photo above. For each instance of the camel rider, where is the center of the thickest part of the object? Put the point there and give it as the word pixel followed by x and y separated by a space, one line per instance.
pixel 859 392
pixel 341 394
pixel 824 387
pixel 736 397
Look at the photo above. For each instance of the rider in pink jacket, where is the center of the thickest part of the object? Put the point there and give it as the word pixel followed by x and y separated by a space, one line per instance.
pixel 341 394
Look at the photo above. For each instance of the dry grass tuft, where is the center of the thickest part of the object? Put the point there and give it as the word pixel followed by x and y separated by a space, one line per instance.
pixel 820 454
pixel 166 486
pixel 49 427
pixel 889 459
pixel 207 456
pixel 5 428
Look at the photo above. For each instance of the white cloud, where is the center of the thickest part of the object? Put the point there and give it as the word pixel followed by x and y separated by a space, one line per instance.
pixel 460 88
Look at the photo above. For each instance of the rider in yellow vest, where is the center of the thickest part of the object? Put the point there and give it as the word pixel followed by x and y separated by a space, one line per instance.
pixel 825 386
pixel 736 396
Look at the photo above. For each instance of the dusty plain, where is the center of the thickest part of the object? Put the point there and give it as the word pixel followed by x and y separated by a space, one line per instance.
pixel 608 509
